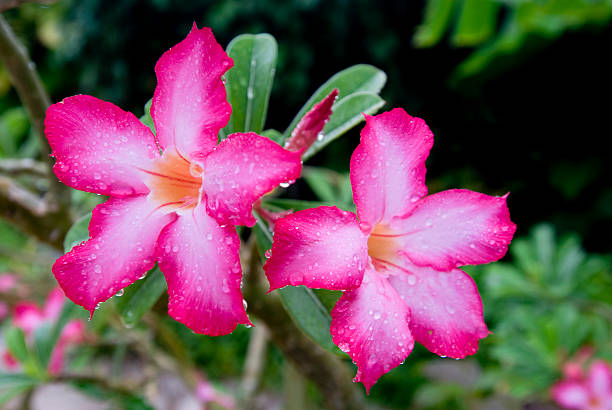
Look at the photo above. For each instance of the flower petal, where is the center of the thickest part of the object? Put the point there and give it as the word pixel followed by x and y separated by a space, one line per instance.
pixel 201 264
pixel 242 168
pixel 320 248
pixel 446 310
pixel 600 380
pixel 388 166
pixel 120 250
pixel 370 324
pixel 98 147
pixel 54 304
pixel 455 227
pixel 189 104
pixel 27 316
pixel 571 394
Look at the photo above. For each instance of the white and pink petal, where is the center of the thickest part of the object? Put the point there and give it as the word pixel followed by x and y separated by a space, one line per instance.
pixel 201 263
pixel 455 227
pixel 241 169
pixel 371 324
pixel 446 309
pixel 121 249
pixel 98 147
pixel 190 104
pixel 388 166
pixel 320 248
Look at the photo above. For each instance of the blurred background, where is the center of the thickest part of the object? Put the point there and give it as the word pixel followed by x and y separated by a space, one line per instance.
pixel 516 94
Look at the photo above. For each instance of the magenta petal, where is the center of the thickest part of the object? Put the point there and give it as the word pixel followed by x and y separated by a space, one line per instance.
pixel 98 147
pixel 571 395
pixel 600 380
pixel 388 166
pixel 189 105
pixel 445 307
pixel 120 250
pixel 201 264
pixel 242 168
pixel 456 227
pixel 370 324
pixel 319 248
pixel 309 127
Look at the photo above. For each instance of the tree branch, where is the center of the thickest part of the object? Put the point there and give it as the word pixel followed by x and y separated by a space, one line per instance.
pixel 326 370
pixel 56 210
pixel 23 166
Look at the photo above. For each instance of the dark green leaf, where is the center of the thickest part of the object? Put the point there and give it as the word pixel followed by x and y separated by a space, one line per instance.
pixel 249 82
pixel 140 296
pixel 355 79
pixel 293 204
pixel 77 233
pixel 477 22
pixel 438 15
pixel 306 310
pixel 347 113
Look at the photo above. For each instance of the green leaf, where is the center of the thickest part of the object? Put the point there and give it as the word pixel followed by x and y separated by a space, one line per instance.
pixel 274 135
pixel 139 297
pixel 249 82
pixel 347 113
pixel 477 22
pixel 294 204
pixel 78 232
pixel 146 118
pixel 355 79
pixel 306 310
pixel 438 14
pixel 14 339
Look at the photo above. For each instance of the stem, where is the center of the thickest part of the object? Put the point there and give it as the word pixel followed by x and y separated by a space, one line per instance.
pixel 11 4
pixel 23 75
pixel 23 166
pixel 254 363
pixel 326 370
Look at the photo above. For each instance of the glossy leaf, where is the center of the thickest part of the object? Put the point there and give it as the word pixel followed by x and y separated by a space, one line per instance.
pixel 347 113
pixel 140 297
pixel 355 79
pixel 78 232
pixel 249 82
pixel 306 310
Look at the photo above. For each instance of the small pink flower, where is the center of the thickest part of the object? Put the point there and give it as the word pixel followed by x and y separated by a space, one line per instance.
pixel 398 263
pixel 7 282
pixel 28 317
pixel 592 391
pixel 177 208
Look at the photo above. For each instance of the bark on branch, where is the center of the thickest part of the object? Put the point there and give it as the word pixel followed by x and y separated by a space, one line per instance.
pixel 326 370
pixel 15 203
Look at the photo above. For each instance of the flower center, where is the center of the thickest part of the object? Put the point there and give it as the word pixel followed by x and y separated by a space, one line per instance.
pixel 175 182
pixel 383 246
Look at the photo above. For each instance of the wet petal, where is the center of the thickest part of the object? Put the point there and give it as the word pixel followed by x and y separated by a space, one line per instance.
pixel 201 264
pixel 319 248
pixel 98 147
pixel 571 394
pixel 388 166
pixel 242 168
pixel 456 227
pixel 309 127
pixel 189 105
pixel 445 307
pixel 370 324
pixel 120 250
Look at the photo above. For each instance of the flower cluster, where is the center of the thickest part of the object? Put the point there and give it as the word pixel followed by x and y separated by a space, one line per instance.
pixel 28 317
pixel 398 263
pixel 174 196
pixel 591 390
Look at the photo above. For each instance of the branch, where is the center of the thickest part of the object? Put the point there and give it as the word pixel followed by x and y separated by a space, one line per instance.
pixel 23 166
pixel 254 363
pixel 32 214
pixel 22 72
pixel 11 4
pixel 326 370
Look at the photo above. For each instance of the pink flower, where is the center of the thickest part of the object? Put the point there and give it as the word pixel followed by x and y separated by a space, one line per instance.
pixel 7 282
pixel 592 391
pixel 207 393
pixel 177 208
pixel 29 317
pixel 398 263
